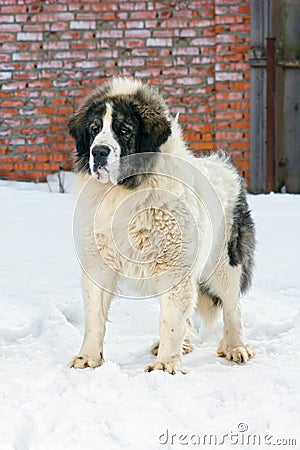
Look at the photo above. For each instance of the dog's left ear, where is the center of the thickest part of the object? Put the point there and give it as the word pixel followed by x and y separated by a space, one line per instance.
pixel 155 127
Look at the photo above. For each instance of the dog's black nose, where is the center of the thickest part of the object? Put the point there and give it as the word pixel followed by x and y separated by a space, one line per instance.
pixel 100 151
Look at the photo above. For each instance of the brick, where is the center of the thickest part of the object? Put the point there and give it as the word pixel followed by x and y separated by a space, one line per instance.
pixel 6 37
pixel 138 34
pixel 13 9
pixel 129 43
pixel 10 28
pixel 13 86
pixel 229 96
pixel 150 72
pixel 207 137
pixel 240 9
pixel 59 26
pixel 231 76
pixel 70 55
pixel 159 42
pixel 170 33
pixel 83 25
pixel 147 52
pixel 239 48
pixel 240 86
pixel 228 19
pixel 58 17
pixel 242 28
pixel 5 58
pixel 221 106
pixel 203 42
pixel 142 15
pixel 174 71
pixel 201 23
pixel 134 6
pixel 53 64
pixel 203 146
pixel 87 16
pixel 136 62
pixel 188 33
pixel 5 75
pixel 173 23
pixel 189 80
pixel 29 36
pixel 39 84
pixel 185 51
pixel 6 19
pixel 221 10
pixel 70 35
pixel 26 56
pixel 104 7
pixel 242 164
pixel 229 135
pixel 11 103
pixel 56 45
pixel 240 105
pixel 229 115
pixel 240 125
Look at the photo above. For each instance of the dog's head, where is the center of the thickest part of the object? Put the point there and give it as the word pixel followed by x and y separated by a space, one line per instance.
pixel 118 130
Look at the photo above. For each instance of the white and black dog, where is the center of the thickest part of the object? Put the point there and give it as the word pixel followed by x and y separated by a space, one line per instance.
pixel 170 224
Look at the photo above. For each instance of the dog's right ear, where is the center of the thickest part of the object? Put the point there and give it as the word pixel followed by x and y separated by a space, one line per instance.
pixel 78 131
pixel 77 126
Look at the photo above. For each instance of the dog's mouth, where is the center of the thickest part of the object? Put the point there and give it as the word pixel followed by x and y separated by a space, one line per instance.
pixel 104 174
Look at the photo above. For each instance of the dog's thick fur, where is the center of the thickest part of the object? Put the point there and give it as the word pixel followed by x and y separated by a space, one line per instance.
pixel 137 178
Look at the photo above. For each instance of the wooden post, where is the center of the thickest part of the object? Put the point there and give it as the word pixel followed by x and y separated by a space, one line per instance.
pixel 271 42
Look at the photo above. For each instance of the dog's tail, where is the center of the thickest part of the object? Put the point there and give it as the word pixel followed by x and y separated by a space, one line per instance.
pixel 208 306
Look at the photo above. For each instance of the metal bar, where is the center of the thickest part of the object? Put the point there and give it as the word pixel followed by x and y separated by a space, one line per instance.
pixel 271 114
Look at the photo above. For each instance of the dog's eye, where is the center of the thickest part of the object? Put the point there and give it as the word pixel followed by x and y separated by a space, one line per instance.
pixel 94 129
pixel 125 132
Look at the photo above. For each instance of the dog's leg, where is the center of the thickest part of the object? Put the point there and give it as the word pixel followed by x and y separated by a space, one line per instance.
pixel 187 346
pixel 233 345
pixel 96 302
pixel 176 308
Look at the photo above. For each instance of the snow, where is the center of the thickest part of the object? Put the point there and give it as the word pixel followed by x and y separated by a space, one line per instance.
pixel 46 405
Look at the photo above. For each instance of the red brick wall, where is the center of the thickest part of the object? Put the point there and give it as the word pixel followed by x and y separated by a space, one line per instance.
pixel 53 52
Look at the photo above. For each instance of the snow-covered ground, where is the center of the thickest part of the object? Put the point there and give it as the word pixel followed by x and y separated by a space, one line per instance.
pixel 46 405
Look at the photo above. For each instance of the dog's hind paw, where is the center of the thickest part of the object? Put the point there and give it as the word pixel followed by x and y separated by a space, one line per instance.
pixel 240 354
pixel 83 361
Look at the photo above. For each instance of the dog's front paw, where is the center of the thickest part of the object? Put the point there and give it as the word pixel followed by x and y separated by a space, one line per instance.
pixel 83 361
pixel 240 354
pixel 172 366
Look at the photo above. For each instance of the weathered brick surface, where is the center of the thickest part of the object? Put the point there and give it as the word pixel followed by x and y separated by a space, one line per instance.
pixel 53 53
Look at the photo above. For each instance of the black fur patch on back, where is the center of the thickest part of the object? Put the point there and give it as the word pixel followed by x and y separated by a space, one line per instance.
pixel 241 245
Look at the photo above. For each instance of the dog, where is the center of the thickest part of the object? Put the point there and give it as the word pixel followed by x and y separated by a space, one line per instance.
pixel 150 213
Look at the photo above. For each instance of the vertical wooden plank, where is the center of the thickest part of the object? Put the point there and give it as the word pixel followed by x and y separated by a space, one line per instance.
pixel 291 95
pixel 260 26
pixel 271 42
